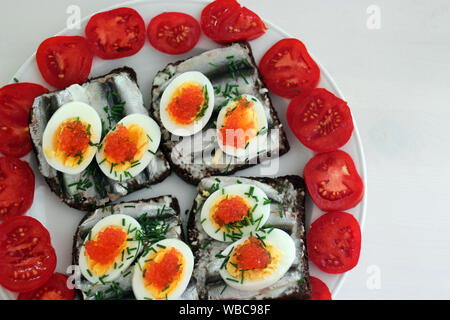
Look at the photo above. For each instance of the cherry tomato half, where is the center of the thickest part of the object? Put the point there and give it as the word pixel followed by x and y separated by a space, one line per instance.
pixel 27 258
pixel 334 242
pixel 320 120
pixel 116 33
pixel 288 69
pixel 173 32
pixel 64 60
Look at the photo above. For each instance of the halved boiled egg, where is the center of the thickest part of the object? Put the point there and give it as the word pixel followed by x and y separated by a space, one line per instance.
pixel 242 126
pixel 164 272
pixel 70 137
pixel 234 211
pixel 110 248
pixel 128 148
pixel 257 261
pixel 187 103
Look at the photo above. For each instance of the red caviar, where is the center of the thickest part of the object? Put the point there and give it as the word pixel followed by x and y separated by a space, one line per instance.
pixel 239 125
pixel 107 245
pixel 185 105
pixel 252 255
pixel 229 210
pixel 119 146
pixel 73 138
pixel 163 273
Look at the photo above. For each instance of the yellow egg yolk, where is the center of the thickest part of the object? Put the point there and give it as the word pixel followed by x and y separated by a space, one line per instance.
pixel 229 209
pixel 187 103
pixel 163 271
pixel 70 142
pixel 125 146
pixel 239 124
pixel 253 260
pixel 105 248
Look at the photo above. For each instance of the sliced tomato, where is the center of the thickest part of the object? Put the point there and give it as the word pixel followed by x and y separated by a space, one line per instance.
pixel 288 69
pixel 27 258
pixel 173 32
pixel 15 103
pixel 54 289
pixel 320 290
pixel 334 242
pixel 333 182
pixel 226 21
pixel 320 120
pixel 64 60
pixel 116 34
pixel 16 187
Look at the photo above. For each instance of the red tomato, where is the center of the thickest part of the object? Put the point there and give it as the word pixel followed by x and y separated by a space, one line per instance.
pixel 27 258
pixel 16 187
pixel 64 60
pixel 288 70
pixel 116 34
pixel 333 182
pixel 320 120
pixel 226 21
pixel 15 103
pixel 54 289
pixel 334 242
pixel 320 290
pixel 173 32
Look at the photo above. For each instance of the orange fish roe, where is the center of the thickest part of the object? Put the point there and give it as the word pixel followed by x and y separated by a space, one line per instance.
pixel 239 124
pixel 251 254
pixel 73 138
pixel 229 210
pixel 106 246
pixel 161 274
pixel 186 104
pixel 118 145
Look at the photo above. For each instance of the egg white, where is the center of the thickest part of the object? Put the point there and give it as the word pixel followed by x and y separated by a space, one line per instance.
pixel 134 247
pixel 262 211
pixel 256 144
pixel 66 112
pixel 197 125
pixel 282 242
pixel 139 290
pixel 154 133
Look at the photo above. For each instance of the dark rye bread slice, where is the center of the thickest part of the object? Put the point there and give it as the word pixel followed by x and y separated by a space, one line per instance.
pixel 164 211
pixel 91 188
pixel 233 65
pixel 288 193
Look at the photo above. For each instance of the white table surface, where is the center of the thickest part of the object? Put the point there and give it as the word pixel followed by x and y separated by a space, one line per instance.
pixel 397 82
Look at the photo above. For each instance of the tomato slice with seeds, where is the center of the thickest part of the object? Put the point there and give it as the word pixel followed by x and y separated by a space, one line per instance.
pixel 27 258
pixel 54 289
pixel 334 242
pixel 15 103
pixel 333 181
pixel 16 187
pixel 64 60
pixel 320 120
pixel 288 69
pixel 226 21
pixel 173 32
pixel 320 290
pixel 116 33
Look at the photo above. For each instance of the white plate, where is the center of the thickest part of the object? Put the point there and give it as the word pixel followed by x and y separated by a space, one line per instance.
pixel 61 221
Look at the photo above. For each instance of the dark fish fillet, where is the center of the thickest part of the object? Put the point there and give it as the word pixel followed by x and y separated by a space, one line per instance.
pixel 164 210
pixel 233 65
pixel 91 188
pixel 287 192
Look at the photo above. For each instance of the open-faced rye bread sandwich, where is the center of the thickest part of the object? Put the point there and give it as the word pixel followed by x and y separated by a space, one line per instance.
pixel 95 142
pixel 248 238
pixel 215 114
pixel 122 251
